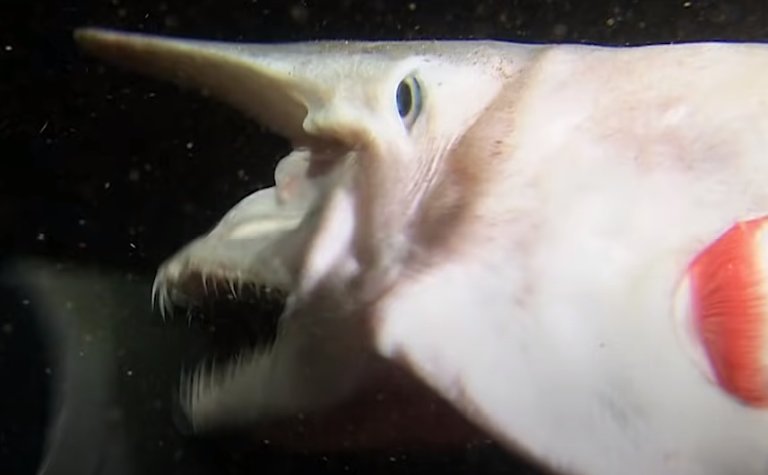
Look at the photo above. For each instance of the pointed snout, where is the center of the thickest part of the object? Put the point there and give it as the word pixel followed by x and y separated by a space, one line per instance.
pixel 279 85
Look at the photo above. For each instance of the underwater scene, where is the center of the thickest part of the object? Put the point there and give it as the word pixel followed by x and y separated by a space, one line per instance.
pixel 383 237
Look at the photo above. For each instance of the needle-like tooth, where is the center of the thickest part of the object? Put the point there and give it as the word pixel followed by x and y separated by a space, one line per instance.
pixel 167 303
pixel 161 302
pixel 232 289
pixel 196 386
pixel 155 285
pixel 205 283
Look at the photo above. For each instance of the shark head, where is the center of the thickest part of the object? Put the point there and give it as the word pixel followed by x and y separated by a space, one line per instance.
pixel 537 233
pixel 378 183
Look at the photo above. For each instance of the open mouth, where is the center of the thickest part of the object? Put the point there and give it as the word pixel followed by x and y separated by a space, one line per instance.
pixel 236 318
pixel 294 243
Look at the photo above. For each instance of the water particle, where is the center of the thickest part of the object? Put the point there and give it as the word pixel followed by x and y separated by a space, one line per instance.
pixel 560 30
pixel 299 13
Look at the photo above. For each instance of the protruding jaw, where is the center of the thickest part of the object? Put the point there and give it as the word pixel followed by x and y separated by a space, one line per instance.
pixel 374 125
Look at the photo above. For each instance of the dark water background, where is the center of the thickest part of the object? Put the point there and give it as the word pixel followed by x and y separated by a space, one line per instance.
pixel 103 174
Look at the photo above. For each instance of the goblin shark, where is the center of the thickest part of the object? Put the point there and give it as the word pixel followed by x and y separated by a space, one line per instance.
pixel 567 243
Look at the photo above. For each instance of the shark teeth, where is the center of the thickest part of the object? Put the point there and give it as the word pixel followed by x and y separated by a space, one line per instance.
pixel 168 292
pixel 212 390
pixel 161 298
pixel 218 383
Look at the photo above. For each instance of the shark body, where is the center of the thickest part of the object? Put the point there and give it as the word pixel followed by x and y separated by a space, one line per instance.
pixel 515 225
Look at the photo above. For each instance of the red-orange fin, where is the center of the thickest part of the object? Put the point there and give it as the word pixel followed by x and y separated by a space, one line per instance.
pixel 726 289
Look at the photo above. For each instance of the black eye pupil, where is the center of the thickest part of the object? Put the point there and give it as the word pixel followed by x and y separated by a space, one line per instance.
pixel 404 99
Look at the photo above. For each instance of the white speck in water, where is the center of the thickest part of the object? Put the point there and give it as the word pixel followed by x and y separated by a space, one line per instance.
pixel 560 30
pixel 41 236
pixel 412 6
pixel 299 13
pixel 190 144
pixel 48 371
pixel 129 372
pixel 8 48
pixel 7 328
pixel 25 302
pixel 107 185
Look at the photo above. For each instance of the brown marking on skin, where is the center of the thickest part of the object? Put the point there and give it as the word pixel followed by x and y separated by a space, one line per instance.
pixel 449 213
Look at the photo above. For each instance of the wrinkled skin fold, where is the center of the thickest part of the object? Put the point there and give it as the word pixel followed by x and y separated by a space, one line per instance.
pixel 510 224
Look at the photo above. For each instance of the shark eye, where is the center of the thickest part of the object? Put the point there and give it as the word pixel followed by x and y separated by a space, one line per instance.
pixel 408 97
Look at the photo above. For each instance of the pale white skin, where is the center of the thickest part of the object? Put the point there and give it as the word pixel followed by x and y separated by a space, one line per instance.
pixel 519 243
